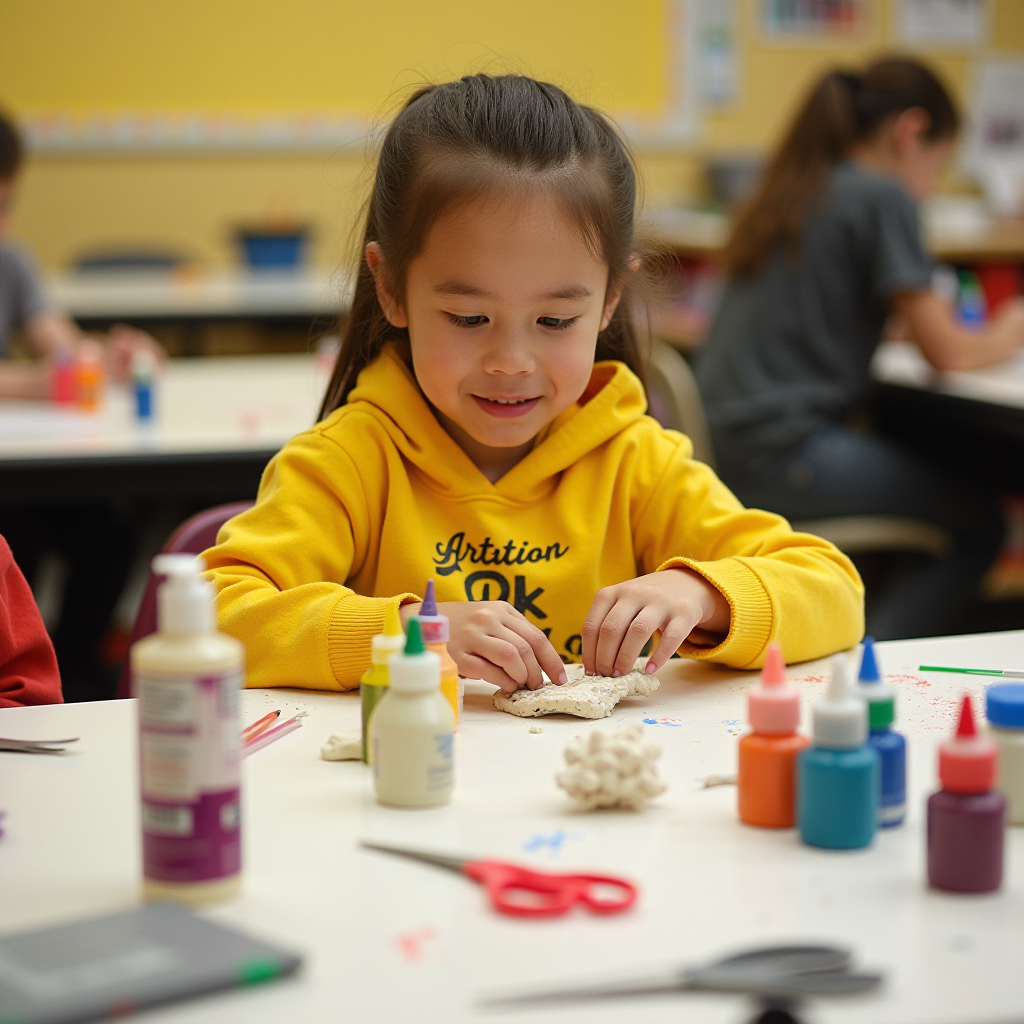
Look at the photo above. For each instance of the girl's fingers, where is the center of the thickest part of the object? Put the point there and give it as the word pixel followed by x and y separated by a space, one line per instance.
pixel 505 655
pixel 640 630
pixel 672 636
pixel 603 603
pixel 546 656
pixel 612 632
pixel 510 634
pixel 473 667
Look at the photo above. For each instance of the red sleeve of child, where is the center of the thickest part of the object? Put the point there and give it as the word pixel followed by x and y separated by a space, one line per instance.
pixel 28 666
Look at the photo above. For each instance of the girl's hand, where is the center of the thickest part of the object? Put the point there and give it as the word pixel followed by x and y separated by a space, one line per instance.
pixel 491 640
pixel 624 617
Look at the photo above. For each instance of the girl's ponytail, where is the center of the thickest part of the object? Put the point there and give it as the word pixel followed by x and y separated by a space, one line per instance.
pixel 843 108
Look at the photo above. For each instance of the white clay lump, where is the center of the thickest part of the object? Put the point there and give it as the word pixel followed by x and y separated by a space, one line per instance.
pixel 346 747
pixel 612 768
pixel 581 695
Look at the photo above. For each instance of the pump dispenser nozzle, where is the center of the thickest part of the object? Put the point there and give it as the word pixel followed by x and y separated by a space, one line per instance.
pixel 415 668
pixel 967 762
pixel 185 599
pixel 392 640
pixel 880 696
pixel 773 708
pixel 868 665
pixel 433 625
pixel 840 721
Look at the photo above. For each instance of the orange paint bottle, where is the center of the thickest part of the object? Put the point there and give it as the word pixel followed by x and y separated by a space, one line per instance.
pixel 767 770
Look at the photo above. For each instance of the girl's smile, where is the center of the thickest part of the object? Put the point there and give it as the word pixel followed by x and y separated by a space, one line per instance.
pixel 506 407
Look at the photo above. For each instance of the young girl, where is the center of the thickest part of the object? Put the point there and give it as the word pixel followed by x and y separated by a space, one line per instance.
pixel 827 248
pixel 468 434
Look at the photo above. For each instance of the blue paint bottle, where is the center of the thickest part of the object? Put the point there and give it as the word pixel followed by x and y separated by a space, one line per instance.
pixel 837 776
pixel 891 745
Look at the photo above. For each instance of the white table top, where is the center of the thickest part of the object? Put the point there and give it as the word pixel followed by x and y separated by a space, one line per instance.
pixel 234 404
pixel 901 362
pixel 387 940
pixel 114 295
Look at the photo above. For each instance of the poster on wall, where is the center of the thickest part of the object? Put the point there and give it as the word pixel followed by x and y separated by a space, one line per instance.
pixel 948 23
pixel 993 149
pixel 719 59
pixel 812 20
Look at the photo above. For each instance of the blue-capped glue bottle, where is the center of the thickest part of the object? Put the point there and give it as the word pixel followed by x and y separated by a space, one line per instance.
pixel 891 745
pixel 837 776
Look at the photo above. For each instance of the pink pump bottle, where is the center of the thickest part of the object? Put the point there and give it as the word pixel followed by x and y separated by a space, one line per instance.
pixel 767 764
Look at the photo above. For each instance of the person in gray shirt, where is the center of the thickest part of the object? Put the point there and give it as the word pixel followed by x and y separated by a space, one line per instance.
pixel 94 539
pixel 826 250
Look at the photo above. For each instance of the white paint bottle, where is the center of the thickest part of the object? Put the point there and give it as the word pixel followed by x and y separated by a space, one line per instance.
pixel 412 731
pixel 1004 709
pixel 187 678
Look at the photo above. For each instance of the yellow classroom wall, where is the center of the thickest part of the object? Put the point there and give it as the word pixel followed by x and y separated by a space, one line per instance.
pixel 251 57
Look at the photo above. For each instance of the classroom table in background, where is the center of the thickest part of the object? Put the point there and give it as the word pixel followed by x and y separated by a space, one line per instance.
pixel 217 423
pixel 189 301
pixel 389 940
pixel 700 235
pixel 976 415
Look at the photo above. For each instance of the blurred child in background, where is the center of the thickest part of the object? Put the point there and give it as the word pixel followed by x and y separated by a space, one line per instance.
pixel 827 248
pixel 28 666
pixel 93 539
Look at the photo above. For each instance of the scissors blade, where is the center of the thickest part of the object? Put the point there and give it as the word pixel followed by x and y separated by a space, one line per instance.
pixel 455 864
pixel 664 983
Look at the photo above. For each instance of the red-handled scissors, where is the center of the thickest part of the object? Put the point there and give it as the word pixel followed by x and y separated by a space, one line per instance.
pixel 523 892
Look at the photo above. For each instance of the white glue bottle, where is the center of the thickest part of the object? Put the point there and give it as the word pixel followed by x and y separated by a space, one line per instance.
pixel 186 678
pixel 412 731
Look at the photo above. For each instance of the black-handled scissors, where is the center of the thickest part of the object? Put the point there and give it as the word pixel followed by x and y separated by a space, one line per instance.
pixel 777 974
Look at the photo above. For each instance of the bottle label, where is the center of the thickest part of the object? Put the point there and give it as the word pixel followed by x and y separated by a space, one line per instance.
pixel 189 760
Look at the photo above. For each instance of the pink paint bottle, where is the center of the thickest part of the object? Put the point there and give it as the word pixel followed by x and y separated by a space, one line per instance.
pixel 767 756
pixel 967 817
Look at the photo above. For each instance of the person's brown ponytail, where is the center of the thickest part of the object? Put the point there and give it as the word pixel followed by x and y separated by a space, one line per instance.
pixel 843 108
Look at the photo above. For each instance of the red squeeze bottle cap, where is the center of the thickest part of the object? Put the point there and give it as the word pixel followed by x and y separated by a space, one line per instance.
pixel 434 626
pixel 773 707
pixel 967 762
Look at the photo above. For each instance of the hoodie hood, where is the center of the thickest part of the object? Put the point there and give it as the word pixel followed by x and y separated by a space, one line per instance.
pixel 387 390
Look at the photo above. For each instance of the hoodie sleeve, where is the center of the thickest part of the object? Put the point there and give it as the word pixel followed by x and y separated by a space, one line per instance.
pixel 279 570
pixel 28 666
pixel 781 585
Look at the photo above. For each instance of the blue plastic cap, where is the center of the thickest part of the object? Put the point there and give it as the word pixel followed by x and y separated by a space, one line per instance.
pixel 1004 705
pixel 868 665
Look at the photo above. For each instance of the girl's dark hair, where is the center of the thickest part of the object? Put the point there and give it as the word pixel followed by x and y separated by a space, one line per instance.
pixel 456 141
pixel 844 108
pixel 10 149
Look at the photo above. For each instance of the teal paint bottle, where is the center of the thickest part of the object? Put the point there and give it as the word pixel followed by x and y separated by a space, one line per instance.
pixel 838 775
pixel 891 745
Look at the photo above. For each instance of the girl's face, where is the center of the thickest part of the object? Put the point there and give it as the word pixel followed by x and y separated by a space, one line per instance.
pixel 503 306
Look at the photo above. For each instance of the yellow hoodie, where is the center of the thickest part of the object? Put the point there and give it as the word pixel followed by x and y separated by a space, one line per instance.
pixel 372 501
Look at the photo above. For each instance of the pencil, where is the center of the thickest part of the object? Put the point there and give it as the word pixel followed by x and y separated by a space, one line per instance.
pixel 265 739
pixel 1006 673
pixel 250 732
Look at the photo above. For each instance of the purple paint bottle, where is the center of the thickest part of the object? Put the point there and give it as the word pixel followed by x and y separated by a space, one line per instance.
pixel 186 677
pixel 967 817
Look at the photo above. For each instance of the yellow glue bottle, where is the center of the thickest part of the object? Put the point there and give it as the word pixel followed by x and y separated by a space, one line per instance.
pixel 187 677
pixel 375 679
pixel 412 732
pixel 435 636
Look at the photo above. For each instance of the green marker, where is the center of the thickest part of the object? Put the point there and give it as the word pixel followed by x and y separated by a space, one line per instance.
pixel 1008 673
